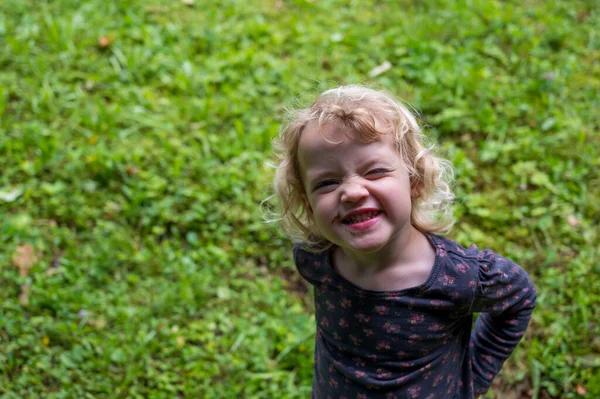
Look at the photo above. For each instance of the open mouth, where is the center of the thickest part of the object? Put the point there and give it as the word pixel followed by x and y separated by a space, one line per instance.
pixel 362 217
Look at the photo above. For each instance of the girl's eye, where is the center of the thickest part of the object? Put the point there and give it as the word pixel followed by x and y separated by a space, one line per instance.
pixel 325 183
pixel 377 171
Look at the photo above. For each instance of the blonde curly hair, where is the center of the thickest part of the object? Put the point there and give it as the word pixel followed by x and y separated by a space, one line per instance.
pixel 371 114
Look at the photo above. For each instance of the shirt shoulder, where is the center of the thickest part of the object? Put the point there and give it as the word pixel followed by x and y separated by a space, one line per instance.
pixel 457 279
pixel 458 265
pixel 488 277
pixel 312 266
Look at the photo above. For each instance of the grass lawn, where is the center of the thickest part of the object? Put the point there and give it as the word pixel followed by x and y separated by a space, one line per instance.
pixel 134 142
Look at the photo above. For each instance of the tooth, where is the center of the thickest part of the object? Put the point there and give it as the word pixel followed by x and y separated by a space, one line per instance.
pixel 362 217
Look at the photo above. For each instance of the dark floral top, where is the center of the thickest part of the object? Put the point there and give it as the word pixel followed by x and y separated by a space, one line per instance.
pixel 418 342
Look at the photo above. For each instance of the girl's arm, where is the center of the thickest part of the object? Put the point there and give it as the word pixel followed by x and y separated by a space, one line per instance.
pixel 505 297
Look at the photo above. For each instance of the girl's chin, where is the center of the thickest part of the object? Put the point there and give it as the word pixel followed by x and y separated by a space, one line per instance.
pixel 368 243
pixel 364 247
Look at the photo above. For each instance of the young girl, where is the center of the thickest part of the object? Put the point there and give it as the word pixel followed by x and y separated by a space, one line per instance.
pixel 394 301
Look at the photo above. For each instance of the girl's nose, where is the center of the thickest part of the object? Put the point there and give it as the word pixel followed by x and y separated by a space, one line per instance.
pixel 354 192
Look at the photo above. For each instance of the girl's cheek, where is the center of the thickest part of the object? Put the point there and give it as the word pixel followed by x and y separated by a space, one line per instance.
pixel 322 210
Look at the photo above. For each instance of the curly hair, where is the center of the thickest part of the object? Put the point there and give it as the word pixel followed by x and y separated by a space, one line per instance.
pixel 370 114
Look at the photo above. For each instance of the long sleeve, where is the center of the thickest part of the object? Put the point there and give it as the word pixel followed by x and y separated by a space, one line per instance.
pixel 505 296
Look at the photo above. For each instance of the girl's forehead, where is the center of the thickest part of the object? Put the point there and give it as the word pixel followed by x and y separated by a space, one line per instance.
pixel 329 136
pixel 315 135
pixel 320 144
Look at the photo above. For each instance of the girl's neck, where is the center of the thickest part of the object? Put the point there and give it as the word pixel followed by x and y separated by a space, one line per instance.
pixel 411 247
pixel 409 265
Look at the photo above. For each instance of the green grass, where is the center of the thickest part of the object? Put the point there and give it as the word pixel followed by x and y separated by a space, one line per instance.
pixel 135 171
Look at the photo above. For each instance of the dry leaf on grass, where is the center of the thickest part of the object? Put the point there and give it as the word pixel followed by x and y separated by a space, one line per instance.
pixel 378 70
pixel 573 221
pixel 12 195
pixel 24 258
pixel 105 41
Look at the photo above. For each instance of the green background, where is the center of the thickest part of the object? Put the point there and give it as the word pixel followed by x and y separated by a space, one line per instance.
pixel 134 149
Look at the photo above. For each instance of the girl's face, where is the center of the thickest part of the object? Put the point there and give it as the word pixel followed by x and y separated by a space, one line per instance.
pixel 359 192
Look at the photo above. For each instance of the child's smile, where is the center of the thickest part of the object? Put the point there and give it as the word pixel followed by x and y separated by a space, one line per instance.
pixel 362 218
pixel 359 191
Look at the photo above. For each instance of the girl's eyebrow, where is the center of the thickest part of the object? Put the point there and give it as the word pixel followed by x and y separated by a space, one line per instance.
pixel 370 162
